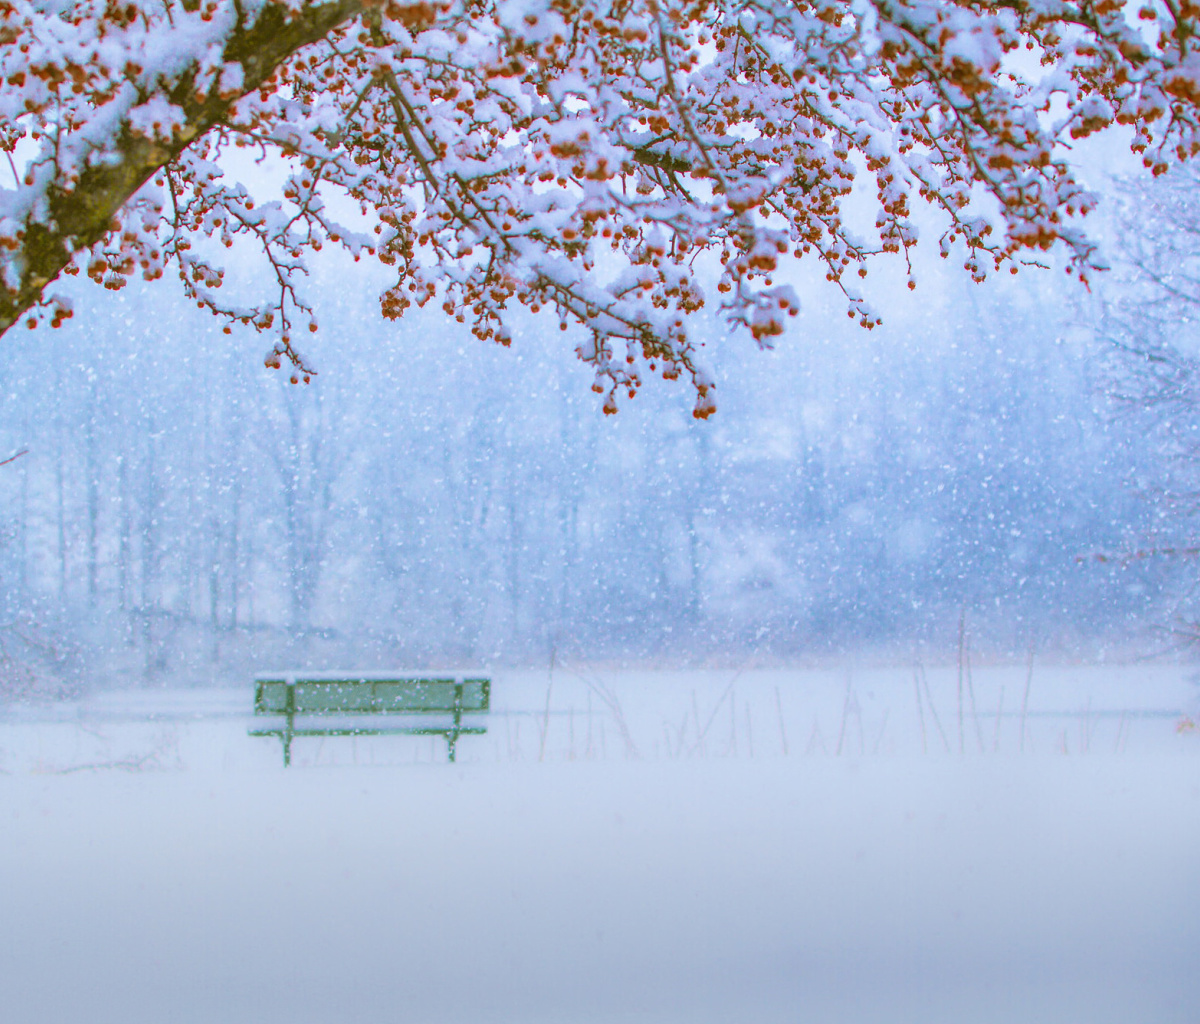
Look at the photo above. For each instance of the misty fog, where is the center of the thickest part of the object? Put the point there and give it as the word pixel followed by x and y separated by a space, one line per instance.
pixel 183 513
pixel 869 699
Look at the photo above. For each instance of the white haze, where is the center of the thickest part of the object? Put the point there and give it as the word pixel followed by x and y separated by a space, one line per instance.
pixel 184 515
pixel 868 700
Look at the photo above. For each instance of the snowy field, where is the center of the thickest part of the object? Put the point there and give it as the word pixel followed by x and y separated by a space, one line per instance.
pixel 724 846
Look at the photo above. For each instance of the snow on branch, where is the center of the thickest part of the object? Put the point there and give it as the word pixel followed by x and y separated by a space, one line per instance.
pixel 497 150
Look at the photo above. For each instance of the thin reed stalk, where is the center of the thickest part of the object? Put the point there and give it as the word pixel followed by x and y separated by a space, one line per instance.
pixel 920 711
pixel 962 632
pixel 1025 697
pixel 783 742
pixel 933 708
pixel 971 697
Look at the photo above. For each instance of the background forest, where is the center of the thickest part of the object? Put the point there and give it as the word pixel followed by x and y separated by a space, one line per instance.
pixel 183 513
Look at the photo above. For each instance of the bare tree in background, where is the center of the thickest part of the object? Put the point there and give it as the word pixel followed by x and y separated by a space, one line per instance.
pixel 1152 366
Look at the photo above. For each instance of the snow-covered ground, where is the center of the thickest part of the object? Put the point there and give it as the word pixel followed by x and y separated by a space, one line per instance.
pixel 693 848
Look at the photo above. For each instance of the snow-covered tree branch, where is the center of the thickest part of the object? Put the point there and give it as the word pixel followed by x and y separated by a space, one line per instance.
pixel 497 151
pixel 111 94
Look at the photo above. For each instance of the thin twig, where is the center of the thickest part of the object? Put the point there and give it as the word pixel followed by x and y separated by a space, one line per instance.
pixel 920 710
pixel 546 716
pixel 816 737
pixel 882 730
pixel 933 709
pixel 971 697
pixel 962 628
pixel 1025 698
pixel 782 731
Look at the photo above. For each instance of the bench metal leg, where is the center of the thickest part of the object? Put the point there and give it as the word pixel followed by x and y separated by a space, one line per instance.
pixel 452 735
pixel 287 743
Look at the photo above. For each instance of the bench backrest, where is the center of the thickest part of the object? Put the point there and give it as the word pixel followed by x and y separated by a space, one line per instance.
pixel 283 694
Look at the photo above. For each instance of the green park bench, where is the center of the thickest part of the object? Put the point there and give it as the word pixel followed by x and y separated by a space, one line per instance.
pixel 361 704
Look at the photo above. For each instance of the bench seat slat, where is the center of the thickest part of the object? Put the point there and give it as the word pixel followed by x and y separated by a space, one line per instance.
pixel 427 730
pixel 371 697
